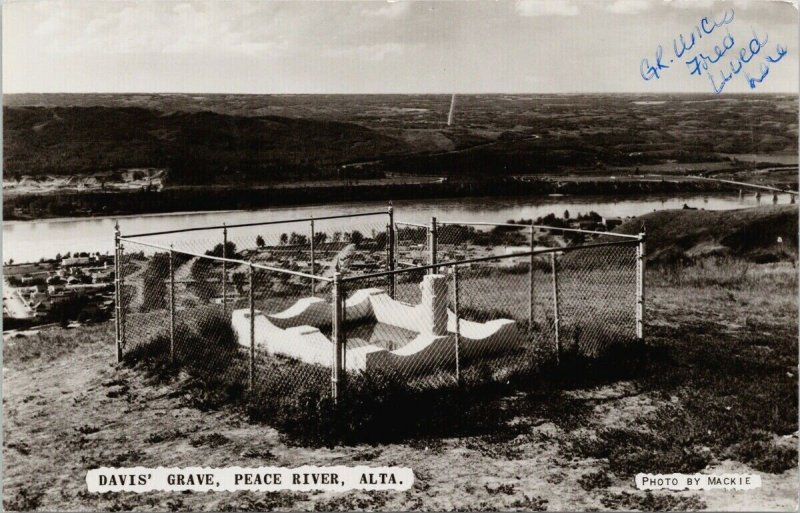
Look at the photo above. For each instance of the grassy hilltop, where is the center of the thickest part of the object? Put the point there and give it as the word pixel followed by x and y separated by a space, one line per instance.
pixel 750 234
pixel 714 389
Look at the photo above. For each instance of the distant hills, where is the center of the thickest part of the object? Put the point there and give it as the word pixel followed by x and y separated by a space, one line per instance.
pixel 243 139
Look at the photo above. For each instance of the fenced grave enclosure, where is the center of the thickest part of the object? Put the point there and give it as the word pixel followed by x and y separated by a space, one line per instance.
pixel 305 305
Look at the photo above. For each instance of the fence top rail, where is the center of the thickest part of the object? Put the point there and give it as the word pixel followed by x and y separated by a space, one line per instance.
pixel 451 263
pixel 260 223
pixel 229 260
pixel 540 226
pixel 287 271
pixel 406 223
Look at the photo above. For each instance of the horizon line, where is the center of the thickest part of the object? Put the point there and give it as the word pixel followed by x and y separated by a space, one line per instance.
pixel 449 93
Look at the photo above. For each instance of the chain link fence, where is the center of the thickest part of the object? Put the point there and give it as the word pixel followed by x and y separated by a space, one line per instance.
pixel 268 313
pixel 493 317
pixel 412 241
pixel 462 241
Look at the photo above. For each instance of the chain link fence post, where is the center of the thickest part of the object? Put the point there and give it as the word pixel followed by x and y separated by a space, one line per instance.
pixel 390 252
pixel 640 262
pixel 432 243
pixel 224 269
pixel 458 324
pixel 122 298
pixel 117 295
pixel 336 335
pixel 313 282
pixel 251 363
pixel 343 338
pixel 556 319
pixel 171 304
pixel 531 297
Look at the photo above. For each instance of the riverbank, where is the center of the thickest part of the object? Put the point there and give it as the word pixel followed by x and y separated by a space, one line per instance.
pixel 216 198
pixel 23 239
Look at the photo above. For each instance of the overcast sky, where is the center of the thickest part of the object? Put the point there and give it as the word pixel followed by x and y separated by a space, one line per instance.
pixel 525 46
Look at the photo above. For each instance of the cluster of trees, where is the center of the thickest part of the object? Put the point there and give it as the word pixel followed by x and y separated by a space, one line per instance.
pixel 463 234
pixel 572 238
pixel 498 235
pixel 229 251
pixel 562 222
pixel 551 219
pixel 299 239
pixel 81 254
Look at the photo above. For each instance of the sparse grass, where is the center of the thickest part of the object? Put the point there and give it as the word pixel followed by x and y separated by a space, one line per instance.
pixel 761 452
pixel 23 500
pixel 52 343
pixel 527 503
pixel 633 450
pixel 266 501
pixel 359 501
pixel 651 502
pixel 172 434
pixel 722 396
pixel 594 480
pixel 721 272
pixel 210 440
pixel 504 489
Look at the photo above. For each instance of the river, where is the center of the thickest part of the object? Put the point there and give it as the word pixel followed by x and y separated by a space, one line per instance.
pixel 28 241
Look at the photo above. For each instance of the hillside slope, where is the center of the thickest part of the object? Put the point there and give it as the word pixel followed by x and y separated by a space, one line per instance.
pixel 197 147
pixel 220 138
pixel 749 233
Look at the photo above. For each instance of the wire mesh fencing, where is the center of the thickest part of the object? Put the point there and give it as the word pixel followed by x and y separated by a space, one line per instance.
pixel 597 293
pixel 494 317
pixel 316 246
pixel 273 316
pixel 173 315
pixel 412 244
pixel 463 241
pixel 243 307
